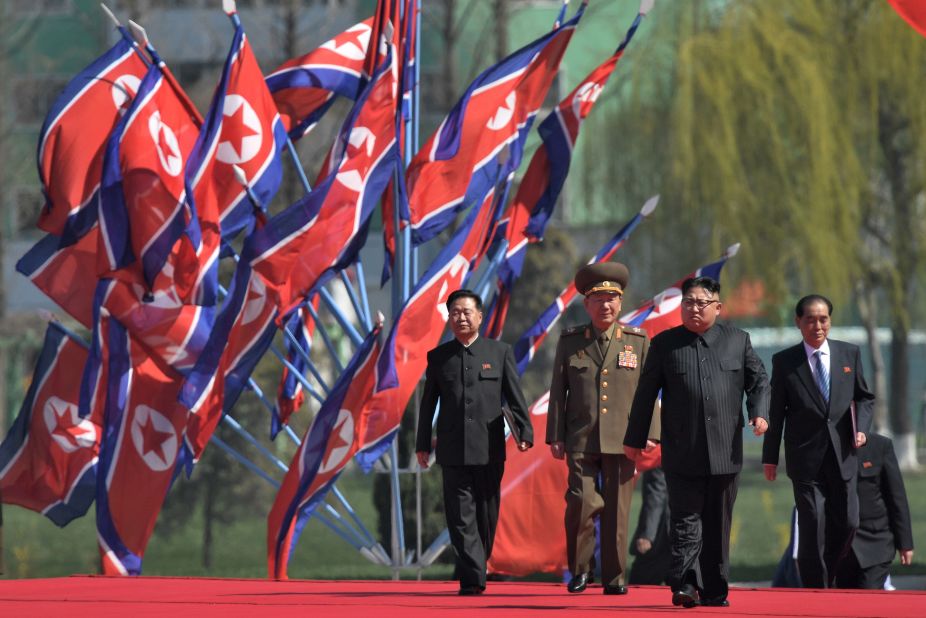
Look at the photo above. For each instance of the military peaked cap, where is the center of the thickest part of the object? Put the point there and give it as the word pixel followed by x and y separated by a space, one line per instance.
pixel 602 277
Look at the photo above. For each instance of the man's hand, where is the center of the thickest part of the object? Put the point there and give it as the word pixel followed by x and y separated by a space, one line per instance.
pixel 643 545
pixel 422 459
pixel 906 557
pixel 523 446
pixel 759 425
pixel 860 440
pixel 650 445
pixel 771 471
pixel 558 450
pixel 632 453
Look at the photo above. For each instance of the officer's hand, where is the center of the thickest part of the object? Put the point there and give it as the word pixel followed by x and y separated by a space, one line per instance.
pixel 523 446
pixel 632 453
pixel 650 445
pixel 860 440
pixel 906 557
pixel 643 545
pixel 558 450
pixel 771 471
pixel 759 425
pixel 422 459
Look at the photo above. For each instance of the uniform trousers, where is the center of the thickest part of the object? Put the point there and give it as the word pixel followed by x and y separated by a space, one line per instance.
pixel 827 517
pixel 598 486
pixel 472 496
pixel 700 515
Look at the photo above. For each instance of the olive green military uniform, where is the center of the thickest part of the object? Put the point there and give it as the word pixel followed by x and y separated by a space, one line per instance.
pixel 594 378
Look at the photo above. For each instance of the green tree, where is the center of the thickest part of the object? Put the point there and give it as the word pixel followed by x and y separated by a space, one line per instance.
pixel 798 129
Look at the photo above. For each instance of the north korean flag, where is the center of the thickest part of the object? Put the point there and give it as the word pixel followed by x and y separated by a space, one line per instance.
pixel 143 430
pixel 526 347
pixel 663 311
pixel 48 459
pixel 142 194
pixel 546 174
pixel 74 135
pixel 322 233
pixel 304 88
pixel 242 128
pixel 327 447
pixel 460 163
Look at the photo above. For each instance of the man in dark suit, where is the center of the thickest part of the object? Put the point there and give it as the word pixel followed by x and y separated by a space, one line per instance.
pixel 884 519
pixel 703 369
pixel 650 544
pixel 594 377
pixel 814 386
pixel 472 377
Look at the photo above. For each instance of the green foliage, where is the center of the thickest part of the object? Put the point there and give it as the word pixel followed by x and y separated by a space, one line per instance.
pixel 764 122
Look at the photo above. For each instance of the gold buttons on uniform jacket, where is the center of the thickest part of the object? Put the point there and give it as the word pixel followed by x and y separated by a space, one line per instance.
pixel 604 385
pixel 604 397
pixel 604 372
pixel 604 410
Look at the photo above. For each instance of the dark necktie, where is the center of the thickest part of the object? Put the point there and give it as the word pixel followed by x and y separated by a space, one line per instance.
pixel 822 375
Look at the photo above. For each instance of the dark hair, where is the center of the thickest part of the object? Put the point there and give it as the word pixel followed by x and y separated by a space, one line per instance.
pixel 457 294
pixel 812 299
pixel 708 284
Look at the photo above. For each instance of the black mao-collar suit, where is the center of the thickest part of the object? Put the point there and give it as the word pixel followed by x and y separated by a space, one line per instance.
pixel 704 379
pixel 884 517
pixel 819 451
pixel 471 383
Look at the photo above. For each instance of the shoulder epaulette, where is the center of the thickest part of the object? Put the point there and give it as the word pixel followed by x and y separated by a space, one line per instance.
pixel 633 330
pixel 574 330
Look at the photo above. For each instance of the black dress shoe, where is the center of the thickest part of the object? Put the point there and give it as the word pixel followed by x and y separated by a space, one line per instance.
pixel 615 589
pixel 687 596
pixel 578 583
pixel 468 591
pixel 715 602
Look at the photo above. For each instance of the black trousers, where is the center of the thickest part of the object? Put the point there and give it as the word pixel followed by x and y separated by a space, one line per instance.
pixel 700 515
pixel 850 574
pixel 827 518
pixel 472 496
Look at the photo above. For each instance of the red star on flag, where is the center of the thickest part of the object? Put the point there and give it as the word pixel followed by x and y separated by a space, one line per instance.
pixel 235 131
pixel 154 439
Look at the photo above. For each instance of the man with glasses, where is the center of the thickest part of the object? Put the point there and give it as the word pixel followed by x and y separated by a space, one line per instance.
pixel 472 377
pixel 814 386
pixel 703 369
pixel 594 376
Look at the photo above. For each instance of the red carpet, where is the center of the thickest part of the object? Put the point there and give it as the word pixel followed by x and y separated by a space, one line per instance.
pixel 168 596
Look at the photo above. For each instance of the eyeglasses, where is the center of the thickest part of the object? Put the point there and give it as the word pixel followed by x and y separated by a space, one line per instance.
pixel 700 303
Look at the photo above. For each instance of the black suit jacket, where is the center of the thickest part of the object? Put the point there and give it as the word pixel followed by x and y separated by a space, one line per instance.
pixel 710 372
pixel 470 384
pixel 808 423
pixel 884 514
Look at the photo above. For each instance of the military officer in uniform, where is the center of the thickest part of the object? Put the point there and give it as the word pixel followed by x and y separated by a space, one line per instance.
pixel 594 377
